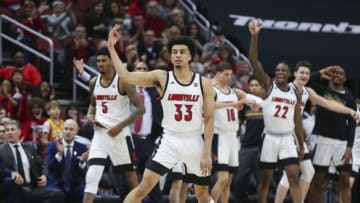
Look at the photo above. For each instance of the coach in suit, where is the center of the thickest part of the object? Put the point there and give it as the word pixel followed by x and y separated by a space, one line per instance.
pixel 23 159
pixel 66 159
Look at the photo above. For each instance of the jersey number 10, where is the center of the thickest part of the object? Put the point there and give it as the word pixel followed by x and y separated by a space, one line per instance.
pixel 230 114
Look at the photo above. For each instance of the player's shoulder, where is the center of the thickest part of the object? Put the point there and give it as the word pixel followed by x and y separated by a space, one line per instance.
pixel 93 80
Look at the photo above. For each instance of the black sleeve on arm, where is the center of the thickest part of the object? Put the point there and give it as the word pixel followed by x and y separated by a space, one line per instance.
pixel 350 131
pixel 315 83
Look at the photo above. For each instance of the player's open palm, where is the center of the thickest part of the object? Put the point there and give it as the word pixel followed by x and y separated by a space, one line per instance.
pixel 206 164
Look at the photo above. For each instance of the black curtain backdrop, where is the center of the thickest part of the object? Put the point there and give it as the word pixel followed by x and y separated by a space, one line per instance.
pixel 335 39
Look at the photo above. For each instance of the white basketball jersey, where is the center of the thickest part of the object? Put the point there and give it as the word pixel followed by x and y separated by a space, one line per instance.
pixel 304 96
pixel 111 106
pixel 226 119
pixel 279 111
pixel 182 105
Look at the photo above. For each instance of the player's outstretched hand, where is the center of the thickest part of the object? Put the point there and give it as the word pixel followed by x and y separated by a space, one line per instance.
pixel 114 36
pixel 206 164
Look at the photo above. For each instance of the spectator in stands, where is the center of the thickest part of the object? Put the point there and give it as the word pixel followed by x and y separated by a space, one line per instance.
pixel 66 159
pixel 149 49
pixel 85 129
pixel 46 92
pixel 62 21
pixel 32 19
pixel 23 158
pixel 166 6
pixel 115 13
pixel 31 73
pixel 3 112
pixel 153 20
pixel 193 31
pixel 3 138
pixel 19 84
pixel 7 99
pixel 244 69
pixel 164 59
pixel 79 47
pixel 5 120
pixel 95 21
pixel 170 32
pixel 177 19
pixel 31 119
pixel 132 55
pixel 137 7
pixel 72 112
pixel 137 29
pixel 53 127
pixel 211 48
pixel 225 53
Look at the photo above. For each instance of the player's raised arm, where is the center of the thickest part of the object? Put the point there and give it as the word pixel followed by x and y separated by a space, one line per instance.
pixel 144 79
pixel 254 29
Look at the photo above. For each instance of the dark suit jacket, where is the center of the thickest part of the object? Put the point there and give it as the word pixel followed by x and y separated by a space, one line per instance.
pixel 57 168
pixel 4 172
pixel 157 112
pixel 37 165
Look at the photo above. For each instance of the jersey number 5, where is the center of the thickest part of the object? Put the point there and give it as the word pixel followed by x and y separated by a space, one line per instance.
pixel 104 107
pixel 281 110
pixel 179 114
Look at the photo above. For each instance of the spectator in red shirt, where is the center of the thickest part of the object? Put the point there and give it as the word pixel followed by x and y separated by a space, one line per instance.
pixel 78 47
pixel 31 74
pixel 7 99
pixel 137 8
pixel 31 116
pixel 153 20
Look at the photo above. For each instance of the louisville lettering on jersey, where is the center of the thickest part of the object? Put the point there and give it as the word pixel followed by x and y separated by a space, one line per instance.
pixel 183 97
pixel 283 100
pixel 106 97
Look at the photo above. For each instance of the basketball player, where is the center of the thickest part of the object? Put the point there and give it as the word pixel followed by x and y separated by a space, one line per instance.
pixel 302 76
pixel 109 112
pixel 225 142
pixel 282 116
pixel 335 134
pixel 188 104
